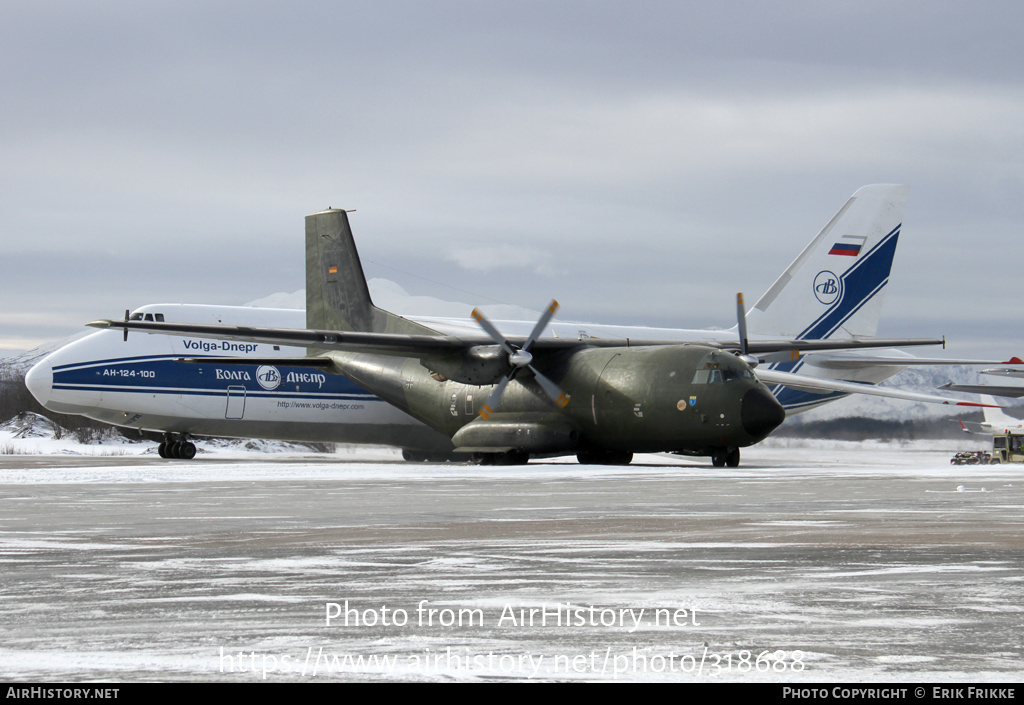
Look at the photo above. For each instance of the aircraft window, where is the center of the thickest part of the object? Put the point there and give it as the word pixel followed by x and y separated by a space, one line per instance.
pixel 148 317
pixel 711 374
pixel 714 373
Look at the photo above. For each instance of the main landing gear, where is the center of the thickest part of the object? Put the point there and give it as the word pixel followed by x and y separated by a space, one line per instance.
pixel 178 447
pixel 512 457
pixel 606 457
pixel 721 457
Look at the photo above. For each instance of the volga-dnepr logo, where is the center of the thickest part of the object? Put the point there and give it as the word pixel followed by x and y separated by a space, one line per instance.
pixel 827 287
pixel 268 377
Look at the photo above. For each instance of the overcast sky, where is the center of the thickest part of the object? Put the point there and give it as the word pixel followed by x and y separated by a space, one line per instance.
pixel 639 161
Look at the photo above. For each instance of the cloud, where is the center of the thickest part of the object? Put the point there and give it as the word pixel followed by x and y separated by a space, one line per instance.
pixel 503 256
pixel 670 153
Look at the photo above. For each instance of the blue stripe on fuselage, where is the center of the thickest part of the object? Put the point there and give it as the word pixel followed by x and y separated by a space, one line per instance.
pixel 165 375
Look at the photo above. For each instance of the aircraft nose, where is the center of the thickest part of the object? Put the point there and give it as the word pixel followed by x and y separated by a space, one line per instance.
pixel 760 413
pixel 39 381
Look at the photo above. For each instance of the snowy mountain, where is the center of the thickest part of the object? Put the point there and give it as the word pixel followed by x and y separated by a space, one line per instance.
pixel 20 362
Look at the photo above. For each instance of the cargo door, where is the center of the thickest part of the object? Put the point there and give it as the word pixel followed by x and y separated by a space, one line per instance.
pixel 236 403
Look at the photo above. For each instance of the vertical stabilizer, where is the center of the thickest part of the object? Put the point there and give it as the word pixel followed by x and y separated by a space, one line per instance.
pixel 834 288
pixel 997 419
pixel 337 296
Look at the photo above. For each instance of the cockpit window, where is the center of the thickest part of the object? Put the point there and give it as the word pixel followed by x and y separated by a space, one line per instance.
pixel 736 373
pixel 159 317
pixel 712 372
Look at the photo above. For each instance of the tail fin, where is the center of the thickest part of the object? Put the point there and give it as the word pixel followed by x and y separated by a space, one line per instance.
pixel 337 296
pixel 834 288
pixel 995 416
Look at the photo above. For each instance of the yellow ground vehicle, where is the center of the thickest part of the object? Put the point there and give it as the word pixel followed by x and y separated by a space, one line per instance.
pixel 1008 448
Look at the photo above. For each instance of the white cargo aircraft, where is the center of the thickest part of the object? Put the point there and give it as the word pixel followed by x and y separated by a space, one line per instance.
pixel 996 420
pixel 831 294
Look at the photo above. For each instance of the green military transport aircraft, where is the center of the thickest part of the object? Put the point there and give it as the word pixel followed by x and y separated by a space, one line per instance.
pixel 504 399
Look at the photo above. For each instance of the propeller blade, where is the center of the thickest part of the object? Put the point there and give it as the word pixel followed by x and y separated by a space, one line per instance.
pixel 741 328
pixel 741 318
pixel 495 334
pixel 553 391
pixel 518 359
pixel 542 323
pixel 488 407
pixel 126 327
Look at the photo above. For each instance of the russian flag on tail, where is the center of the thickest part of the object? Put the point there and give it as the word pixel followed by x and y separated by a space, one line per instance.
pixel 848 245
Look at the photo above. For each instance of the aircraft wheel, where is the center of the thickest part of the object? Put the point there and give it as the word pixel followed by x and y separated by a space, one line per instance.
pixel 186 450
pixel 718 458
pixel 515 457
pixel 732 458
pixel 162 449
pixel 606 458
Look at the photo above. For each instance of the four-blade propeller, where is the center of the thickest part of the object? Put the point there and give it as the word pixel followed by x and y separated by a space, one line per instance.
pixel 519 358
pixel 741 328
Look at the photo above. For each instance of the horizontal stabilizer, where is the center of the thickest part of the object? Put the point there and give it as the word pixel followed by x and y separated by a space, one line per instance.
pixel 963 427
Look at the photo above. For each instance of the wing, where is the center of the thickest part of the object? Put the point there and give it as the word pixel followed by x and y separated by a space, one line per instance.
pixel 425 346
pixel 431 345
pixel 853 360
pixel 815 384
pixel 378 343
pixel 989 389
pixel 1005 371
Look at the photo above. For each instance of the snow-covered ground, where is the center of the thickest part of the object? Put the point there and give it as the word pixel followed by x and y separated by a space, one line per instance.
pixel 811 562
pixel 31 434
